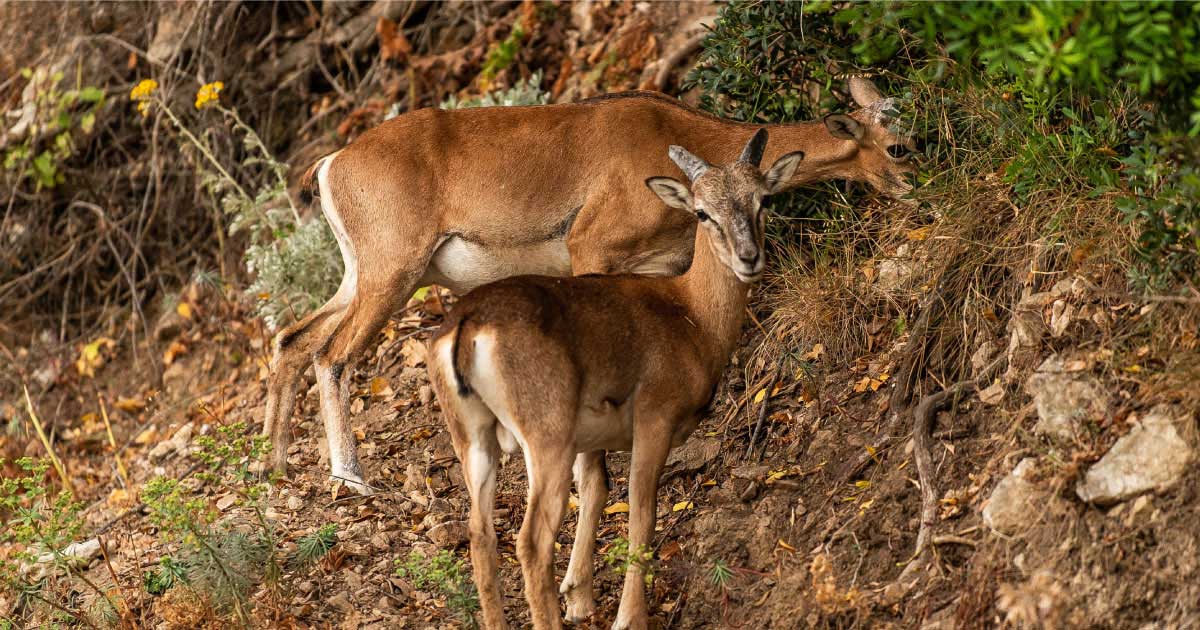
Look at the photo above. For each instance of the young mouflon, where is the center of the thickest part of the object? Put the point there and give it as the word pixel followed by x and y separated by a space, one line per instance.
pixel 567 368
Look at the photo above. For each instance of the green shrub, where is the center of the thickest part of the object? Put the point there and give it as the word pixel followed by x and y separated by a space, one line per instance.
pixel 1164 178
pixel 1069 98
pixel 447 576
pixel 38 527
pixel 525 92
pixel 224 559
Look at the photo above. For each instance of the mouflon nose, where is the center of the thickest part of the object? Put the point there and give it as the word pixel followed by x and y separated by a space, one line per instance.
pixel 749 260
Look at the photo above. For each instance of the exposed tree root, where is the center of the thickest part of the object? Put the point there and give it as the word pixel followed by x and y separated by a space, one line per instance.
pixel 922 442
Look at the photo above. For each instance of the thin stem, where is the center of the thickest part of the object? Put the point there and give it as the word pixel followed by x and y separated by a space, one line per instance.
pixel 203 148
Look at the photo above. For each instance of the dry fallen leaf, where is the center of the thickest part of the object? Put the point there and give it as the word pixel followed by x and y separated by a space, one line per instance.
pixel 91 356
pixel 918 234
pixel 174 350
pixel 392 42
pixel 413 352
pixel 184 309
pixel 617 508
pixel 119 497
pixel 130 405
pixel 817 351
pixel 993 394
pixel 682 505
pixel 381 388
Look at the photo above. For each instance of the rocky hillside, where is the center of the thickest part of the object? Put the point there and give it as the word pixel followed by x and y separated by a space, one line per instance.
pixel 957 410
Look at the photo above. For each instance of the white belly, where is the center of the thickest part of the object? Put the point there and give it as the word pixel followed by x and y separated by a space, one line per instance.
pixel 462 265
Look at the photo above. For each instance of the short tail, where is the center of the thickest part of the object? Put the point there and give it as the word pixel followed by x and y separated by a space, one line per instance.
pixel 308 182
pixel 461 357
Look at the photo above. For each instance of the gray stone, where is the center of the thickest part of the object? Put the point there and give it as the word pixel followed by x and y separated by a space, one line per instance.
pixel 1152 456
pixel 1064 400
pixel 1014 499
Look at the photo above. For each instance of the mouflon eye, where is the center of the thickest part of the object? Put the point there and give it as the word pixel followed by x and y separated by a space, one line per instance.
pixel 702 215
pixel 898 151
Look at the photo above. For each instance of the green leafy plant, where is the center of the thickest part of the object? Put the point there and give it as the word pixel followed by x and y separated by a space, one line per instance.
pixel 1164 182
pixel 296 264
pixel 223 559
pixel 502 54
pixel 446 575
pixel 52 122
pixel 39 528
pixel 168 575
pixel 1066 98
pixel 719 574
pixel 620 558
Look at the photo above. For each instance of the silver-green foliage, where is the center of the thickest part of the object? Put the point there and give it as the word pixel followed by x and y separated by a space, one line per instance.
pixel 527 92
pixel 296 264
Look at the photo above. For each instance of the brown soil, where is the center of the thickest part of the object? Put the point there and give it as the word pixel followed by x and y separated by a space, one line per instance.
pixel 811 537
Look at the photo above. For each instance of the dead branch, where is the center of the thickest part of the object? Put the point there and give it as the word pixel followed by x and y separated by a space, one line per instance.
pixel 922 442
pixel 676 57
pixel 762 411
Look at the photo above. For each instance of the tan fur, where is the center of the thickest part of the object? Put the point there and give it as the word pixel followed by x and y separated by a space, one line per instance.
pixel 464 197
pixel 576 366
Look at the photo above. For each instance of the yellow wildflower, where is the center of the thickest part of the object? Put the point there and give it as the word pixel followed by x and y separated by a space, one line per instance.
pixel 143 90
pixel 208 93
pixel 143 108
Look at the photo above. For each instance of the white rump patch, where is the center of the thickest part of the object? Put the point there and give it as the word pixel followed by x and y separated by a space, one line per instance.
pixel 350 277
pixel 486 381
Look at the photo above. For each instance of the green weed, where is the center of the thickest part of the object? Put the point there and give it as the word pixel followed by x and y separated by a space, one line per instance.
pixel 447 576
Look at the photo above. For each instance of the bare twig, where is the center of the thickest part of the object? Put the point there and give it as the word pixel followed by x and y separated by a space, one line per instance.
pixel 762 411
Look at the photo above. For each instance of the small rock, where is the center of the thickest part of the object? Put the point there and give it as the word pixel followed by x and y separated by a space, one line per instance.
pixel 178 444
pixel 993 394
pixel 1152 456
pixel 380 541
pixel 982 356
pixel 1014 499
pixel 340 600
pixel 294 503
pixel 1064 399
pixel 749 472
pixel 425 394
pixel 438 505
pixel 449 535
pixel 414 478
pixel 896 272
pixel 1061 315
pixel 352 579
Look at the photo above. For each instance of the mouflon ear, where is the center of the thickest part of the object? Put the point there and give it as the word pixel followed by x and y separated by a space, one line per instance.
pixel 863 91
pixel 671 191
pixel 692 166
pixel 843 127
pixel 782 171
pixel 753 152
